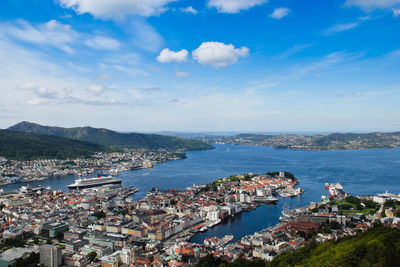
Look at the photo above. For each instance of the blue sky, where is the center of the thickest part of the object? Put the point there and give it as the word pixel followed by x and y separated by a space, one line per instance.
pixel 202 65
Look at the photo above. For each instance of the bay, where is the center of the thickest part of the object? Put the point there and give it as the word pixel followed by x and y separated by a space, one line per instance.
pixel 361 172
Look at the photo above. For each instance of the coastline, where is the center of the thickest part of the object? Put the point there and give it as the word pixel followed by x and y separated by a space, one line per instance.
pixel 95 170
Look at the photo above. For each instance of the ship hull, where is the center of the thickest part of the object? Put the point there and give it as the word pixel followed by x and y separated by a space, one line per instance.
pixel 267 201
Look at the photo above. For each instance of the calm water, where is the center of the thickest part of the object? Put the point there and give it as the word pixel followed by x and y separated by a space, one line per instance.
pixel 360 172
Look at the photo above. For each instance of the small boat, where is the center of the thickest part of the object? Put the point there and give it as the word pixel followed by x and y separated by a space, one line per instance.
pixel 203 229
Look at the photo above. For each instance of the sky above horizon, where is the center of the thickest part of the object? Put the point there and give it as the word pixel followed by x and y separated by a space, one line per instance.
pixel 201 65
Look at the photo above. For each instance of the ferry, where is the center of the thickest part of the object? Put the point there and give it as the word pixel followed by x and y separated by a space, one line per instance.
pixel 266 199
pixel 100 180
pixel 290 192
pixel 27 189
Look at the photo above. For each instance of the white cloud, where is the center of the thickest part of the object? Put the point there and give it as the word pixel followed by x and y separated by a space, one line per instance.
pixel 372 4
pixel 45 93
pixel 218 54
pixel 55 34
pixel 36 101
pixel 167 56
pixel 96 89
pixel 295 49
pixel 234 6
pixel 41 92
pixel 110 102
pixel 52 33
pixel 181 74
pixel 341 28
pixel 146 37
pixel 188 9
pixel 131 70
pixel 330 62
pixel 103 43
pixel 280 13
pixel 396 12
pixel 117 9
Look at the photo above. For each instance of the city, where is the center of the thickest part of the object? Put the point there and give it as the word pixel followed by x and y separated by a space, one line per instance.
pixel 107 223
pixel 199 133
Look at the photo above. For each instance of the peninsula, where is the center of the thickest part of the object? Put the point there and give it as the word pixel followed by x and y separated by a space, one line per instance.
pixel 334 141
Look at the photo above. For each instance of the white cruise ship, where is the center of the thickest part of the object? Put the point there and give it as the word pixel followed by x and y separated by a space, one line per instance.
pixel 100 180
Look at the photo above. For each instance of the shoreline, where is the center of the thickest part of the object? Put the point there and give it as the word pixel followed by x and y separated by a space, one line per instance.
pixel 308 149
pixel 89 173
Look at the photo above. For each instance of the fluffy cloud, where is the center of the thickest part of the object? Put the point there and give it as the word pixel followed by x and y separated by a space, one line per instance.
pixel 167 56
pixel 52 33
pixel 280 13
pixel 41 92
pixel 234 6
pixel 372 4
pixel 218 54
pixel 117 9
pixel 102 43
pixel 188 9
pixel 396 12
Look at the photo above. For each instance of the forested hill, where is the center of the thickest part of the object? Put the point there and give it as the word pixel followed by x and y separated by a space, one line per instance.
pixel 111 138
pixel 379 246
pixel 28 146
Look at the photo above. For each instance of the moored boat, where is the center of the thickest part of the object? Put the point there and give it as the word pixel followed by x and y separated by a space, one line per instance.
pixel 266 199
pixel 100 180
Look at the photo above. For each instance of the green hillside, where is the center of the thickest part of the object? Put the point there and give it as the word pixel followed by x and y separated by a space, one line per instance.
pixel 111 138
pixel 28 146
pixel 379 246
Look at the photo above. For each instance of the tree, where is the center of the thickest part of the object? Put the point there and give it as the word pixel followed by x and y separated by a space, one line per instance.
pixel 186 257
pixel 92 256
pixel 59 235
pixel 32 260
pixel 99 214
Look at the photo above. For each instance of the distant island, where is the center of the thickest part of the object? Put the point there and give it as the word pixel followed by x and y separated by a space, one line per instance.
pixel 334 141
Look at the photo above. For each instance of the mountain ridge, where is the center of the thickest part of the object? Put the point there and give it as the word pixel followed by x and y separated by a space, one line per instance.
pixel 106 137
pixel 28 146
